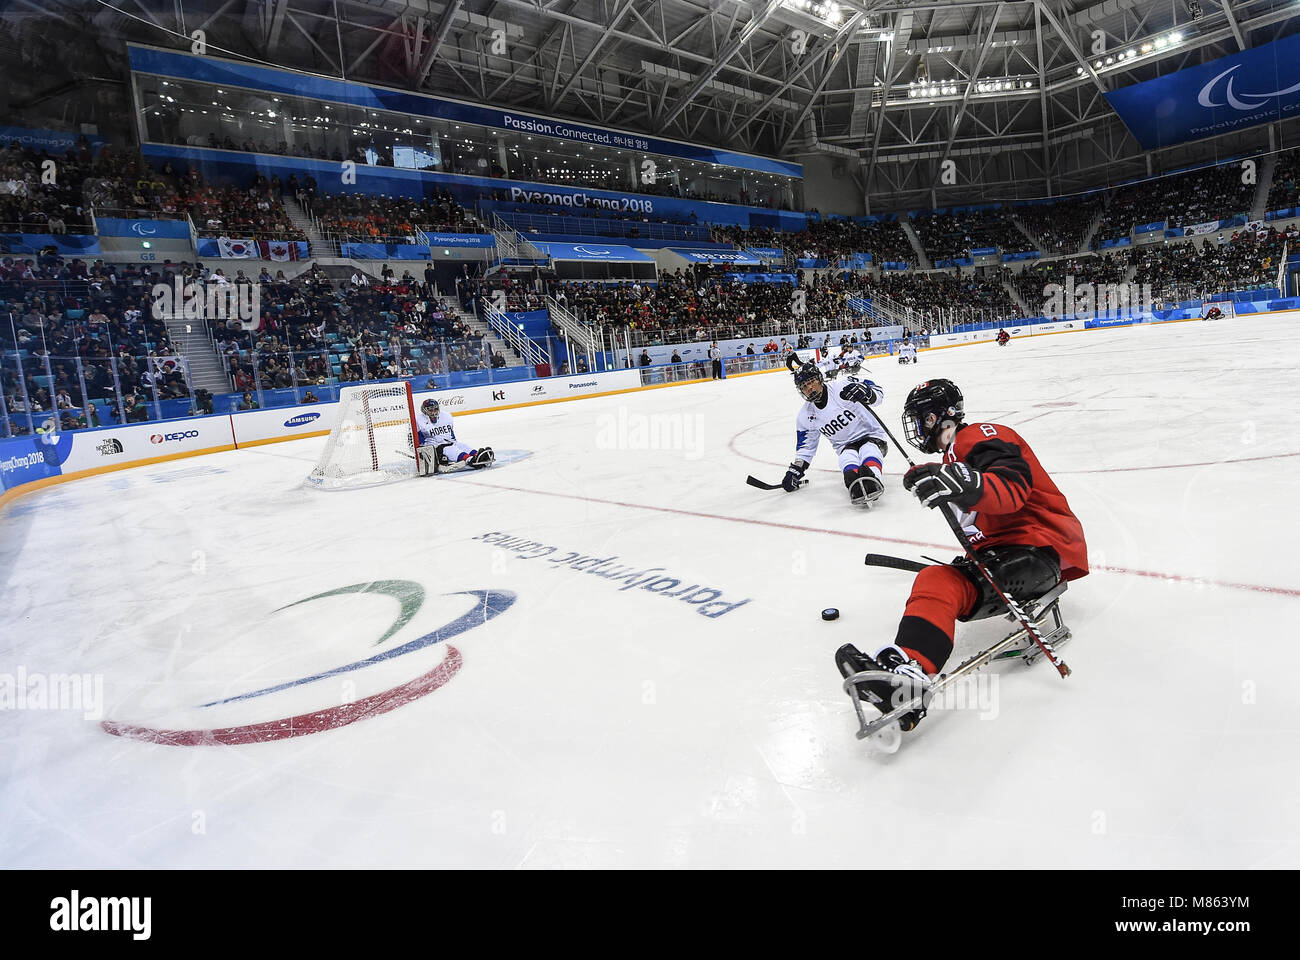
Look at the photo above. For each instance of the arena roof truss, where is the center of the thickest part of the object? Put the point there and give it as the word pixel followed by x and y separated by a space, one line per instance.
pixel 1011 91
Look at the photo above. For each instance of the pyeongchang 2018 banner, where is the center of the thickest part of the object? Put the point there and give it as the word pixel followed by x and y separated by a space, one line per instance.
pixel 1246 89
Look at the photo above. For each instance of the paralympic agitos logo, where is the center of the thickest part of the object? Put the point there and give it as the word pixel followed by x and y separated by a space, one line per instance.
pixel 1239 101
pixel 410 596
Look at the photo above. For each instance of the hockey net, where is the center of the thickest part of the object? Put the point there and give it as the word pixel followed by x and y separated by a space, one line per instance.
pixel 374 439
pixel 1225 307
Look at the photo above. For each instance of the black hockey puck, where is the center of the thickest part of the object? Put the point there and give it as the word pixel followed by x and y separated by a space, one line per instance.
pixel 830 613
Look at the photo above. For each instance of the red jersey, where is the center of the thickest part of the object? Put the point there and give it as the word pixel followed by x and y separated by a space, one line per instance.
pixel 1018 503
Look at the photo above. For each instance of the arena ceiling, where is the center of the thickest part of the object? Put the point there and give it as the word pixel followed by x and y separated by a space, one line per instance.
pixel 1011 91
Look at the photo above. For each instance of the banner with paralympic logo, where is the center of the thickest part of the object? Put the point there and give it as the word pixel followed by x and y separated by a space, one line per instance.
pixel 1256 86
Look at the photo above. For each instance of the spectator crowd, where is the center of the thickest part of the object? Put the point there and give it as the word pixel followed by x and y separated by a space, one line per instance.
pixel 1198 196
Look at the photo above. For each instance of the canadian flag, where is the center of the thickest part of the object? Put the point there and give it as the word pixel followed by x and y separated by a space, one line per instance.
pixel 278 249
pixel 236 249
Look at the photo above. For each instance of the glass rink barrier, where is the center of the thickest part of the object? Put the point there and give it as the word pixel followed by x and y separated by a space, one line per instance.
pixel 40 393
pixel 661 373
pixel 753 363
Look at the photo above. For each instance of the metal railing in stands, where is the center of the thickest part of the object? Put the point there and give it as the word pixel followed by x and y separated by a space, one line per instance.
pixel 884 311
pixel 579 338
pixel 138 213
pixel 532 354
pixel 790 329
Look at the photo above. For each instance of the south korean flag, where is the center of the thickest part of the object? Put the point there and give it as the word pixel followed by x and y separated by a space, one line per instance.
pixel 236 249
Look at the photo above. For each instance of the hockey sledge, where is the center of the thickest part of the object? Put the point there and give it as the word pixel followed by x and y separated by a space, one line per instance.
pixel 883 732
pixel 502 458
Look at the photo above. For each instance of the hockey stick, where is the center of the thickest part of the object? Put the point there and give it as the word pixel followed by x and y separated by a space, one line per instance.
pixel 896 563
pixel 1016 609
pixel 791 362
pixel 755 482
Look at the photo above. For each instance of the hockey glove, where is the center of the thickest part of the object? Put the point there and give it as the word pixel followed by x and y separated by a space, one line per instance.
pixel 936 483
pixel 794 476
pixel 863 391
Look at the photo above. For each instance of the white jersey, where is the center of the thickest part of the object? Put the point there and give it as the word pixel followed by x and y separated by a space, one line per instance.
pixel 851 359
pixel 438 435
pixel 844 420
pixel 828 365
pixel 907 349
pixel 435 431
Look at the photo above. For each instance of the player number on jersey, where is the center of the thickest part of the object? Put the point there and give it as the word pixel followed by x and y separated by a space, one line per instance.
pixel 988 430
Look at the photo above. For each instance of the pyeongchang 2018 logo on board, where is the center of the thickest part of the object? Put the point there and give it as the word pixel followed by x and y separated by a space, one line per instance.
pixel 409 596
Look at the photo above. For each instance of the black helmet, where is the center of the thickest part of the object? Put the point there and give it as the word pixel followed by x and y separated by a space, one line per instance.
pixel 430 408
pixel 929 409
pixel 804 373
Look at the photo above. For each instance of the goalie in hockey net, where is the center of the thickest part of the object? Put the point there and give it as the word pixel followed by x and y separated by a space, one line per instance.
pixel 1016 518
pixel 373 439
pixel 1217 310
pixel 440 451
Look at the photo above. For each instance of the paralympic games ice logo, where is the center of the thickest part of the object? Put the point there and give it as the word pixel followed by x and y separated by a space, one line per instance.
pixel 1239 102
pixel 138 227
pixel 410 596
pixel 591 253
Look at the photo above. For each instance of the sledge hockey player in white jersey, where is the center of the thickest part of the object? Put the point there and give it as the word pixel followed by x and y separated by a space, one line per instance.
pixel 850 361
pixel 439 448
pixel 907 351
pixel 844 416
pixel 828 366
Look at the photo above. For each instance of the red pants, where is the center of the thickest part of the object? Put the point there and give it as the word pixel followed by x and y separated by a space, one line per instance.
pixel 940 594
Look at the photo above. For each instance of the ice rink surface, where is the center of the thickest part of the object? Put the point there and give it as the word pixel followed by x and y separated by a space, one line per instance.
pixel 464 700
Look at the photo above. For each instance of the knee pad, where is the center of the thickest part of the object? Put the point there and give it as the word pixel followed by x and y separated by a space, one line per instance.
pixel 1025 573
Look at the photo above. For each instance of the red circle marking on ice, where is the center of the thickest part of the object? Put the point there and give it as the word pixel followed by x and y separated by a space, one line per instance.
pixel 305 723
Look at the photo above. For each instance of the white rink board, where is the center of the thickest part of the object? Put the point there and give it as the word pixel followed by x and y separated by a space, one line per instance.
pixel 252 426
pixel 144 441
pixel 983 336
pixel 530 391
pixel 283 422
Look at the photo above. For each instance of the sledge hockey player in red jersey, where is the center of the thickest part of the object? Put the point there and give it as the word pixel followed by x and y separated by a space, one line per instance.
pixel 1003 338
pixel 1017 521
